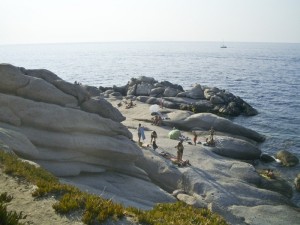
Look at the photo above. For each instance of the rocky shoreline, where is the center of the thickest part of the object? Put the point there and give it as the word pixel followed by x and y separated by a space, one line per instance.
pixel 82 135
pixel 198 99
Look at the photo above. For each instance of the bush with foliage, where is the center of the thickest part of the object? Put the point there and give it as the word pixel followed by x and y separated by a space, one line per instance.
pixel 9 217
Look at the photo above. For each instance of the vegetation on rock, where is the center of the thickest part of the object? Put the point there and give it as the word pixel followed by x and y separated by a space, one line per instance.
pixel 95 209
pixel 9 217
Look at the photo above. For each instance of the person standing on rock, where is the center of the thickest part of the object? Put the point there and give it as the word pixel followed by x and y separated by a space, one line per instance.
pixel 139 132
pixel 153 136
pixel 180 148
pixel 195 137
pixel 212 132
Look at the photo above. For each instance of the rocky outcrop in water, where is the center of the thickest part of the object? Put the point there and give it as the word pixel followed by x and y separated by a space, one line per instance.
pixel 197 99
pixel 287 158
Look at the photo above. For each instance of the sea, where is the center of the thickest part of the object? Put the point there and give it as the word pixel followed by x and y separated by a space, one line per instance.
pixel 266 75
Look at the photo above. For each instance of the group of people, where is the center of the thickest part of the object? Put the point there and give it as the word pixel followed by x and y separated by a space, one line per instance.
pixel 141 135
pixel 180 148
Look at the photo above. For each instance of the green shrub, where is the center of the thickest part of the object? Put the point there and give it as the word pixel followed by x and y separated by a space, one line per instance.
pixel 70 202
pixel 4 198
pixel 177 213
pixel 11 217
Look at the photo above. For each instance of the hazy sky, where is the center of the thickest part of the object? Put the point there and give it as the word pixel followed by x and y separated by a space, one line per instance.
pixel 40 21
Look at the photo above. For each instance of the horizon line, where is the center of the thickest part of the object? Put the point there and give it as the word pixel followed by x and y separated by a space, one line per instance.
pixel 94 42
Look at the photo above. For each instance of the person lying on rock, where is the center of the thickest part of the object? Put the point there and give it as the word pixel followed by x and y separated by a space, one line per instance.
pixel 130 104
pixel 270 174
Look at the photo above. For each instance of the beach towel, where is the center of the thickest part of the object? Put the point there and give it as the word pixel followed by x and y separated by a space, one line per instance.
pixel 143 134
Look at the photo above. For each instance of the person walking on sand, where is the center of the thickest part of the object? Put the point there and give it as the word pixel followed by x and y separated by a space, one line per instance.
pixel 180 148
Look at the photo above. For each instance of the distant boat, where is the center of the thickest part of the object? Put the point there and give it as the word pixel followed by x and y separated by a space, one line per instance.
pixel 223 45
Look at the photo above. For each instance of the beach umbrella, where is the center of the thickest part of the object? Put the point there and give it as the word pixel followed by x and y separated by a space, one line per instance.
pixel 154 108
pixel 174 134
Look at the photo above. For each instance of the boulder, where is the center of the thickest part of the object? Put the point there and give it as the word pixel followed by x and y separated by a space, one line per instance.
pixel 123 89
pixel 216 100
pixel 157 92
pixel 143 98
pixel 203 106
pixel 190 200
pixel 42 74
pixel 267 158
pixel 39 90
pixel 231 109
pixel 235 148
pixel 143 89
pixel 195 93
pixel 170 92
pixel 181 95
pixel 204 121
pixel 12 79
pixel 153 101
pixel 131 90
pixel 144 79
pixel 287 158
pixel 103 108
pixel 169 84
pixel 278 185
pixel 92 91
pixel 77 91
pixel 18 143
pixel 67 141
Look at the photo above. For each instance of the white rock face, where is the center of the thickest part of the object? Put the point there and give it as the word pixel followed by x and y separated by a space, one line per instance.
pixel 204 121
pixel 57 125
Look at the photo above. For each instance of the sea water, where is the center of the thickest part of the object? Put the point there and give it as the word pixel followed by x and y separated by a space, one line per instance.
pixel 266 75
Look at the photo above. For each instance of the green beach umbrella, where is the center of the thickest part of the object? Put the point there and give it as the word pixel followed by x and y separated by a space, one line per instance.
pixel 174 134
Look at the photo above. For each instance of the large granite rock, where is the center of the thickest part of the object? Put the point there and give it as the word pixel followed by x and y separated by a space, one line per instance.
pixel 44 86
pixel 103 108
pixel 204 121
pixel 235 148
pixel 59 126
pixel 228 187
pixel 196 92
